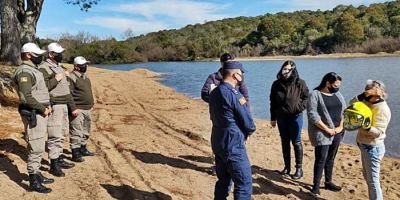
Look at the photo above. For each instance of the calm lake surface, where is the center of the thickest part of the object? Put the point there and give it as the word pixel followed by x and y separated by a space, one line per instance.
pixel 189 77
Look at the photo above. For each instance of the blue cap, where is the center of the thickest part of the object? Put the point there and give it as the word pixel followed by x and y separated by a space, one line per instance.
pixel 233 65
pixel 225 57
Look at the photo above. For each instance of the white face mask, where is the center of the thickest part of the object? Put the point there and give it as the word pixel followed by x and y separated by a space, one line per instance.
pixel 286 72
pixel 239 78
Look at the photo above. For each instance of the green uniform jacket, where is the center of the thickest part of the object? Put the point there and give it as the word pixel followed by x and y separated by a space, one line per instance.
pixel 32 90
pixel 59 90
pixel 81 90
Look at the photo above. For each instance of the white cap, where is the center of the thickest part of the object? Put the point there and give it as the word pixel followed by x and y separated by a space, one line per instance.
pixel 80 60
pixel 31 48
pixel 55 47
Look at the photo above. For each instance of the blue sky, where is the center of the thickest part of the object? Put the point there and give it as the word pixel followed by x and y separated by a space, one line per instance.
pixel 114 17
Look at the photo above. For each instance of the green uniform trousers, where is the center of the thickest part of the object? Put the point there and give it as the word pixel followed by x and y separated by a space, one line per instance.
pixel 57 128
pixel 80 129
pixel 36 139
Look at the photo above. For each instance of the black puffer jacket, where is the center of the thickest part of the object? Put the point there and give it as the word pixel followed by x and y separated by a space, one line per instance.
pixel 288 96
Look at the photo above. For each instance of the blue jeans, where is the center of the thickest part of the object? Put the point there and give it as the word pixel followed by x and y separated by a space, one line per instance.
pixel 290 131
pixel 371 161
pixel 290 127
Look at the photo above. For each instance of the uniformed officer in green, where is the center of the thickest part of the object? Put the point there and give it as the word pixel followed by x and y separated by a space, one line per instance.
pixel 34 109
pixel 60 99
pixel 81 90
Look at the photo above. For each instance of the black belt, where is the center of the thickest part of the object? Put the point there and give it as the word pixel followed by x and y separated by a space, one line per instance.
pixel 46 104
pixel 57 103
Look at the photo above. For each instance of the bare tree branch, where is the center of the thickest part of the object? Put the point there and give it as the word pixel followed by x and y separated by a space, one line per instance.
pixel 85 5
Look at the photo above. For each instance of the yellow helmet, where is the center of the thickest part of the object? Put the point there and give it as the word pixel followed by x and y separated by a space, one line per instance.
pixel 358 115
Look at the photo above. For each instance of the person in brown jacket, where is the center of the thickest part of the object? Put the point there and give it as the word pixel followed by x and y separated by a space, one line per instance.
pixel 81 90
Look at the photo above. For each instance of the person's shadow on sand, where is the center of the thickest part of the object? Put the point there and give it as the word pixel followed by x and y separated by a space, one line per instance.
pixel 127 192
pixel 8 168
pixel 12 146
pixel 265 184
pixel 156 158
pixel 202 159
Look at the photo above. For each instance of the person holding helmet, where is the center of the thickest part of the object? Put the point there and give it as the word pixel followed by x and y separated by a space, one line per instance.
pixel 325 128
pixel 370 139
pixel 34 108
pixel 60 99
pixel 81 90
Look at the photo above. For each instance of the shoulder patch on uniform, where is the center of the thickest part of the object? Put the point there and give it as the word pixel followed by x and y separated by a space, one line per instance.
pixel 242 101
pixel 23 79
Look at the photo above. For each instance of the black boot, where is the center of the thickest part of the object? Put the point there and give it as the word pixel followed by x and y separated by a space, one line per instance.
pixel 55 168
pixel 315 191
pixel 65 165
pixel 286 157
pixel 85 151
pixel 76 155
pixel 332 187
pixel 35 185
pixel 44 180
pixel 298 154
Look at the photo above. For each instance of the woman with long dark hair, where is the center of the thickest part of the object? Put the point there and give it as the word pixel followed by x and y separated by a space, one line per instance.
pixel 325 128
pixel 288 100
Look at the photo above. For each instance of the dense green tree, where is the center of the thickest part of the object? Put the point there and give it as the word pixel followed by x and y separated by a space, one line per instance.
pixel 349 30
pixel 395 24
pixel 273 27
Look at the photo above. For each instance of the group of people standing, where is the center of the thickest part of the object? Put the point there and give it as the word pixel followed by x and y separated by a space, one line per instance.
pixel 54 103
pixel 228 99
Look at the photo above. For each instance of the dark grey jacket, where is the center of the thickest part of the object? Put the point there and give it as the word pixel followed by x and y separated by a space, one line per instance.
pixel 316 111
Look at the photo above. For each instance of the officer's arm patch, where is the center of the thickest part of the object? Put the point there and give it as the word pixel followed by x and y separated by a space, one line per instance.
pixel 242 101
pixel 23 79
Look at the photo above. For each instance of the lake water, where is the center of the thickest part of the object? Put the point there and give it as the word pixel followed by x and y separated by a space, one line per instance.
pixel 189 77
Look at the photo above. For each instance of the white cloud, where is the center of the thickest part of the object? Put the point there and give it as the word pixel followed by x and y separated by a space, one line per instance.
pixel 180 11
pixel 154 15
pixel 122 24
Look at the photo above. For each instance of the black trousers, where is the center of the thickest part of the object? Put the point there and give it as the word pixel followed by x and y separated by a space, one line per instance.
pixel 324 159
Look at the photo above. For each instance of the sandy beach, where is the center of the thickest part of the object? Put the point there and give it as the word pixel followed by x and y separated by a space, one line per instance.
pixel 153 143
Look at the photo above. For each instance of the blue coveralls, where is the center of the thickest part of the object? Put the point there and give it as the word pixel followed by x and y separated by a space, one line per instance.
pixel 232 123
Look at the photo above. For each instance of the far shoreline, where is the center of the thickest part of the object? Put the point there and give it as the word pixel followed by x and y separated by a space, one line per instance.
pixel 318 56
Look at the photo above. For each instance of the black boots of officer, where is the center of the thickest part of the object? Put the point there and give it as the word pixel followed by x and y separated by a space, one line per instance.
pixel 44 180
pixel 65 165
pixel 286 157
pixel 298 154
pixel 77 155
pixel 85 151
pixel 55 168
pixel 35 183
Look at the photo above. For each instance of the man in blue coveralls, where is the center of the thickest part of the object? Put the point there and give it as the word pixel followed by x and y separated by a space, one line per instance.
pixel 232 124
